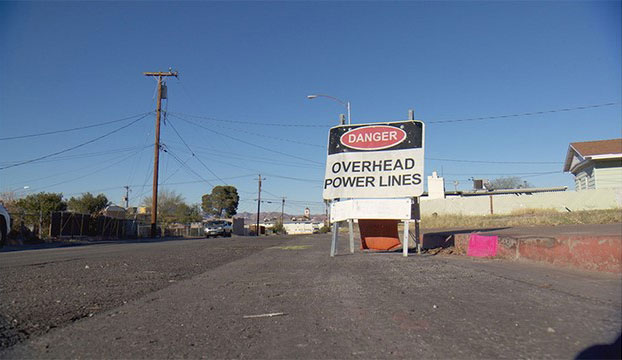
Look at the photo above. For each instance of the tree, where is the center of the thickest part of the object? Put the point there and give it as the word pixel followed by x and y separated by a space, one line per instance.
pixel 222 198
pixel 173 208
pixel 512 182
pixel 88 204
pixel 188 213
pixel 39 206
pixel 279 228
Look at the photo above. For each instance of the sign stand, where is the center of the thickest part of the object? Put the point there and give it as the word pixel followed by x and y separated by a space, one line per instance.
pixel 405 241
pixel 418 225
pixel 333 245
pixel 351 228
pixel 416 205
pixel 370 209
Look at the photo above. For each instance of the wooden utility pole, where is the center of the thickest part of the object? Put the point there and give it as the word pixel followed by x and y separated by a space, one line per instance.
pixel 156 157
pixel 282 209
pixel 257 231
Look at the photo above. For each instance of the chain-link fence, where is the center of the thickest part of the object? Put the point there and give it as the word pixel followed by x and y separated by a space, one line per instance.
pixel 33 228
pixel 65 223
pixel 186 230
pixel 28 227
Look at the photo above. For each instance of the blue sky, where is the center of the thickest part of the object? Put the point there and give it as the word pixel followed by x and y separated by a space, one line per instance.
pixel 246 65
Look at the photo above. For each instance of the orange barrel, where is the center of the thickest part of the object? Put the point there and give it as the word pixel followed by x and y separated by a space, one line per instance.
pixel 379 234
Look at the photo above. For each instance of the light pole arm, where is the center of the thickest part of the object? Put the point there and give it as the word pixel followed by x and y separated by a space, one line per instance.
pixel 330 97
pixel 344 103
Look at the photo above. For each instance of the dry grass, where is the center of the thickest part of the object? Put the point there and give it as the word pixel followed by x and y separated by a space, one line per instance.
pixel 524 217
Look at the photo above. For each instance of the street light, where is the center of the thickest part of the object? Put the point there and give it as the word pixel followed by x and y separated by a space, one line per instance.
pixel 344 103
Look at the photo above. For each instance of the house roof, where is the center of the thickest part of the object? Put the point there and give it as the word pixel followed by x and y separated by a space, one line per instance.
pixel 588 150
pixel 601 147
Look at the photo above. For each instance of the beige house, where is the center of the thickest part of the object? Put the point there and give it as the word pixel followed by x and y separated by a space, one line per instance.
pixel 114 211
pixel 595 164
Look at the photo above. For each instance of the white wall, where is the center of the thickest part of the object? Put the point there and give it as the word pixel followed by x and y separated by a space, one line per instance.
pixel 594 199
pixel 436 186
pixel 301 228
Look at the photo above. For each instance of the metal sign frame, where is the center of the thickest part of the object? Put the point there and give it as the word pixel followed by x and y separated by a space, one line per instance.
pixel 353 172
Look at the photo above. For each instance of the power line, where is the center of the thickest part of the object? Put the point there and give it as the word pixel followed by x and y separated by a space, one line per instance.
pixel 193 154
pixel 277 198
pixel 508 174
pixel 248 143
pixel 142 189
pixel 74 147
pixel 81 169
pixel 184 166
pixel 584 107
pixel 259 159
pixel 162 184
pixel 254 159
pixel 294 178
pixel 72 129
pixel 135 164
pixel 228 163
pixel 174 172
pixel 83 155
pixel 253 123
pixel 89 174
pixel 200 181
pixel 275 137
pixel 269 193
pixel 496 162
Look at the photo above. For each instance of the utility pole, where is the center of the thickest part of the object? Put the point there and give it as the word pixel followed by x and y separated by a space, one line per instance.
pixel 41 220
pixel 127 197
pixel 156 157
pixel 258 205
pixel 282 209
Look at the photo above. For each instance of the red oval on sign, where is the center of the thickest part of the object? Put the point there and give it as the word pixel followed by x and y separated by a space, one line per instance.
pixel 374 137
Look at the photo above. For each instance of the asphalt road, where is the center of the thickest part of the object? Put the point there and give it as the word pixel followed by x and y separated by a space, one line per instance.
pixel 207 298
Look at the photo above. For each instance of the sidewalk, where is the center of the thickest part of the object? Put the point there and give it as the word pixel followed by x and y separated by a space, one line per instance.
pixel 589 247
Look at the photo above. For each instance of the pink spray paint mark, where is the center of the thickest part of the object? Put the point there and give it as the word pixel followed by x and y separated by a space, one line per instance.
pixel 482 246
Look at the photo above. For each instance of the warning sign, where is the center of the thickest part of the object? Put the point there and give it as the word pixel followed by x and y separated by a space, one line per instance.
pixel 382 160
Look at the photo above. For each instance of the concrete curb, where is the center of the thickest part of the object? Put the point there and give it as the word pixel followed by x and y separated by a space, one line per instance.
pixel 598 252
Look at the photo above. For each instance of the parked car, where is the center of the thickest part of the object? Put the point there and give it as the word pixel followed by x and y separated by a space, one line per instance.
pixel 218 228
pixel 5 225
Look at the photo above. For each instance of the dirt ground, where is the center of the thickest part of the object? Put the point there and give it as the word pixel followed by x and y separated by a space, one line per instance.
pixel 46 292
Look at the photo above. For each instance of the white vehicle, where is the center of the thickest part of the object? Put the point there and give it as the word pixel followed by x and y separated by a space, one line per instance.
pixel 5 225
pixel 218 228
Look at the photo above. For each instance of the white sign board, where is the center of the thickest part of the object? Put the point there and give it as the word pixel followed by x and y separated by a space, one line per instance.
pixel 381 160
pixel 400 209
